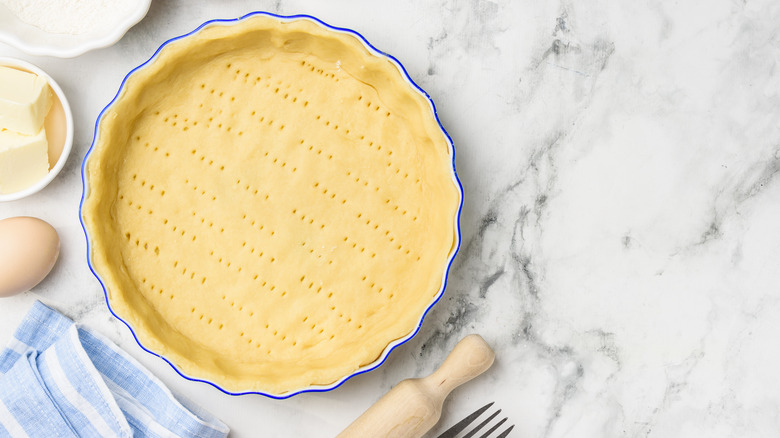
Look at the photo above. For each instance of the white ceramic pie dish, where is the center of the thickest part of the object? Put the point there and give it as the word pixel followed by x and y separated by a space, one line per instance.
pixel 394 343
pixel 35 41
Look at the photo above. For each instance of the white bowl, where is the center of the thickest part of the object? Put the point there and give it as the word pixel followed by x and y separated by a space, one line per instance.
pixel 59 113
pixel 35 41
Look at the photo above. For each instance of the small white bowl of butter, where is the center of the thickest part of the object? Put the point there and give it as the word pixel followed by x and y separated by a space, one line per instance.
pixel 36 129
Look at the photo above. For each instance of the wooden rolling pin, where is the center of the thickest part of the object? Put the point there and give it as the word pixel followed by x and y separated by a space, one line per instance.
pixel 413 406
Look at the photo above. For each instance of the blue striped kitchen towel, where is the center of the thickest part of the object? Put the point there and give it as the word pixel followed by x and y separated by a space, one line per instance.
pixel 60 380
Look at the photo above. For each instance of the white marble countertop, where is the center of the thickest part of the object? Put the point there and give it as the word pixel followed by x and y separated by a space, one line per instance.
pixel 620 227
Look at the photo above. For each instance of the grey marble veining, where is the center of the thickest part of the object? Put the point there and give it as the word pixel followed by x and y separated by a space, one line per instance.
pixel 620 227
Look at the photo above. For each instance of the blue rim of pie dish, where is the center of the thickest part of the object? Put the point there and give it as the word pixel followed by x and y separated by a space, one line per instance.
pixel 393 344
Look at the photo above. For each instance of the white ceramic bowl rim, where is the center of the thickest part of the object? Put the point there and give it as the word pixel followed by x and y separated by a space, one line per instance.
pixel 38 186
pixel 392 345
pixel 61 46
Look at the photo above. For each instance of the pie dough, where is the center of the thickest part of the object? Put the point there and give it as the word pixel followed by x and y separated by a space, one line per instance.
pixel 270 205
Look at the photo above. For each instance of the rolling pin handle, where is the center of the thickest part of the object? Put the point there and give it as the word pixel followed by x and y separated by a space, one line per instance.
pixel 471 357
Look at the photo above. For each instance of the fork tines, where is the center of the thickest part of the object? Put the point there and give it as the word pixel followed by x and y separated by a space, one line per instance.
pixel 464 423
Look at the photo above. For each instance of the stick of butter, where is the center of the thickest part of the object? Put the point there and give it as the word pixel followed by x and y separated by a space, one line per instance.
pixel 25 99
pixel 24 160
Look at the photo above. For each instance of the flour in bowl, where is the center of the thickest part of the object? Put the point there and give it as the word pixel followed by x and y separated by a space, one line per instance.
pixel 73 17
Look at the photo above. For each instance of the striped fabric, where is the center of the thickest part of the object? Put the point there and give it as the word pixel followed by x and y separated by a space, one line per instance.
pixel 58 379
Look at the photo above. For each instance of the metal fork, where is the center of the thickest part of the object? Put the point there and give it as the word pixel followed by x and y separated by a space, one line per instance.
pixel 464 423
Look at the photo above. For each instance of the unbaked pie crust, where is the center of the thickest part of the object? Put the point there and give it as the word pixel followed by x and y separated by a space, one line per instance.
pixel 270 205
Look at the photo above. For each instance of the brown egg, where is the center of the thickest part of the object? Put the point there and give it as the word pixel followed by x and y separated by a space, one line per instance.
pixel 28 250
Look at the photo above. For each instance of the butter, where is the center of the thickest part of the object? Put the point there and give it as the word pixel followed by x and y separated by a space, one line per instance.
pixel 24 160
pixel 25 99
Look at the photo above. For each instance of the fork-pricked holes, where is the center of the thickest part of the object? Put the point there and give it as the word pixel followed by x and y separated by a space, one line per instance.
pixel 252 251
pixel 266 325
pixel 385 232
pixel 206 160
pixel 185 123
pixel 251 189
pixel 327 193
pixel 350 242
pixel 311 68
pixel 178 267
pixel 155 249
pixel 206 319
pixel 280 163
pixel 237 306
pixel 244 76
pixel 275 332
pixel 371 284
pixel 174 228
pixel 224 262
pixel 154 289
pixel 351 176
pixel 324 191
pixel 178 122
pixel 363 219
pixel 347 319
pixel 200 190
pixel 257 225
pixel 307 219
pixel 181 269
pixel 214 117
pixel 377 190
pixel 385 151
pixel 281 91
pixel 313 327
pixel 313 251
pixel 320 289
pixel 193 153
pixel 370 105
pixel 143 183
